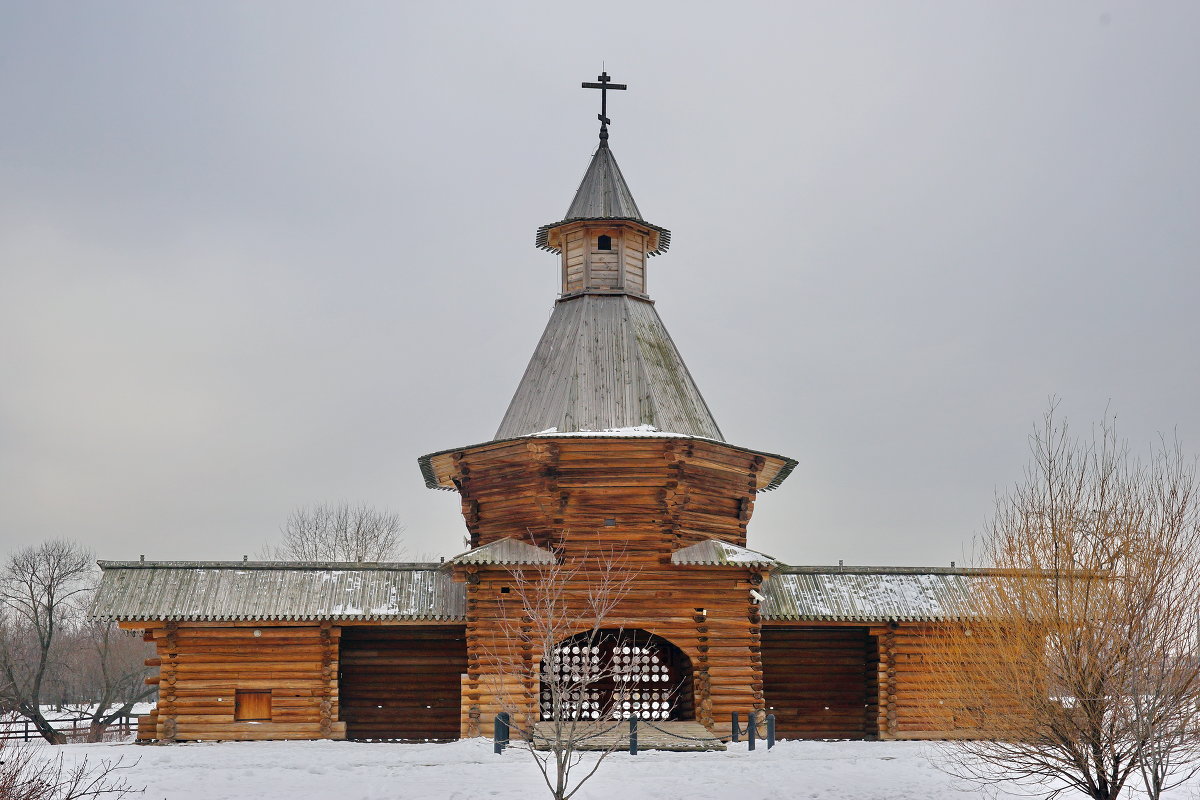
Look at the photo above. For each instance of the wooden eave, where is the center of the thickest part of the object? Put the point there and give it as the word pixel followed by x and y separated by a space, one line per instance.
pixel 440 469
pixel 549 237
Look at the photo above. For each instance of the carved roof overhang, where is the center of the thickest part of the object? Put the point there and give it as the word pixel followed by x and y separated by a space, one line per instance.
pixel 440 469
pixel 549 237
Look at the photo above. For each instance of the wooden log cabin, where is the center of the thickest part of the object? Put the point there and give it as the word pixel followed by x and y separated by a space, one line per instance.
pixel 607 443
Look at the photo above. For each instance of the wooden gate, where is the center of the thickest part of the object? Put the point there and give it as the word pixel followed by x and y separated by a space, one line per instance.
pixel 614 675
pixel 401 682
pixel 821 682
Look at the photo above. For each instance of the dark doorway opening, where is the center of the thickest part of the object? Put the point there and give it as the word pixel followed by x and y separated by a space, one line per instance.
pixel 821 682
pixel 615 674
pixel 401 682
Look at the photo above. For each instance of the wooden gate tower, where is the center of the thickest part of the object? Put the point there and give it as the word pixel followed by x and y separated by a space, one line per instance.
pixel 608 444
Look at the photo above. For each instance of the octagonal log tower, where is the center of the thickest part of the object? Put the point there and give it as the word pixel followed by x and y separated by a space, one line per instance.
pixel 609 449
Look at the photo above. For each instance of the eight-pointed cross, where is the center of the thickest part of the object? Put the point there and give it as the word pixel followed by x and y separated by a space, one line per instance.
pixel 604 85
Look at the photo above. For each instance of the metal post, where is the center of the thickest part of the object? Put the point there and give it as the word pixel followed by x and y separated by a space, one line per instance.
pixel 633 735
pixel 737 734
pixel 751 725
pixel 770 731
pixel 500 731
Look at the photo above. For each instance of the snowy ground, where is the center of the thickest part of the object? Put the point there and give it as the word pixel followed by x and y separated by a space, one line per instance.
pixel 469 769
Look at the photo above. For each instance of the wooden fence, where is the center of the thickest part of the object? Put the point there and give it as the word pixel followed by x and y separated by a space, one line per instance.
pixel 76 730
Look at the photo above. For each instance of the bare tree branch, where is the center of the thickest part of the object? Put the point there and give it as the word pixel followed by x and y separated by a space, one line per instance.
pixel 39 587
pixel 556 648
pixel 339 532
pixel 1079 669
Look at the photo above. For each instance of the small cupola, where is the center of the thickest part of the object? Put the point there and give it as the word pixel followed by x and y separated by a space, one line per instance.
pixel 603 240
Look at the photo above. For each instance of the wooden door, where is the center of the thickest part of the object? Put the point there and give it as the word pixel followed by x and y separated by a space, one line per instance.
pixel 821 682
pixel 401 682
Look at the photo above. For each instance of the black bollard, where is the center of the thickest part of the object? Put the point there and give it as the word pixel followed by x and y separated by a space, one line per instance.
pixel 500 731
pixel 770 731
pixel 633 735
pixel 751 728
pixel 737 734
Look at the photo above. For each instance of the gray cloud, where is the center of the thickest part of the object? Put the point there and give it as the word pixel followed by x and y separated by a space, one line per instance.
pixel 258 256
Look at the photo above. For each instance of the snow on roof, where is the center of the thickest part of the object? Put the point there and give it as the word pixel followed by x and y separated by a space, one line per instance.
pixel 506 551
pixel 885 595
pixel 238 590
pixel 714 552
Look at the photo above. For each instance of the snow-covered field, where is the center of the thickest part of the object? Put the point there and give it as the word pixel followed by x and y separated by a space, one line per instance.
pixel 469 769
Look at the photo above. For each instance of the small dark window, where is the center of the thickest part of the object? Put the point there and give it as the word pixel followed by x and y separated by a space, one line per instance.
pixel 604 243
pixel 505 589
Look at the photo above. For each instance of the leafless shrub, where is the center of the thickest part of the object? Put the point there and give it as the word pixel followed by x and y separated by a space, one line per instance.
pixel 1079 668
pixel 570 600
pixel 28 773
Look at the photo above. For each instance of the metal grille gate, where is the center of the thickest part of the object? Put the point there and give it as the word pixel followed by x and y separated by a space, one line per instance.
pixel 613 675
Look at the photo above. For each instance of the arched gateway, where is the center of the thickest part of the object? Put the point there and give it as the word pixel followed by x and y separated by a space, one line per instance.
pixel 615 674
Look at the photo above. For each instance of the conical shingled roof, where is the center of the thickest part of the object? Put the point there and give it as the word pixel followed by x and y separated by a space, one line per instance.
pixel 603 194
pixel 606 362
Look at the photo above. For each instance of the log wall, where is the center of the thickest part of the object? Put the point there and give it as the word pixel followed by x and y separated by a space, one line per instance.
pixel 916 700
pixel 643 499
pixel 722 643
pixel 647 496
pixel 202 666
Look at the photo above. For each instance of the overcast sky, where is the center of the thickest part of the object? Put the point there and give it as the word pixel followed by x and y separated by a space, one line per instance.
pixel 259 255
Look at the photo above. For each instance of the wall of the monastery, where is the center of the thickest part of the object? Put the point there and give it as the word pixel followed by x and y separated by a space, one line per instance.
pixel 707 613
pixel 648 497
pixel 917 698
pixel 209 675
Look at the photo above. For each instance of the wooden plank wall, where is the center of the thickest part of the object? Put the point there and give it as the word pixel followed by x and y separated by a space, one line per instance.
pixel 573 253
pixel 402 682
pixel 634 251
pixel 203 665
pixel 821 682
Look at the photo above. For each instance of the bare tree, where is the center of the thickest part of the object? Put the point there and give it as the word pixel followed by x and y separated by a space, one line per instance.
pixel 40 590
pixel 1083 671
pixel 557 648
pixel 26 773
pixel 339 532
pixel 107 669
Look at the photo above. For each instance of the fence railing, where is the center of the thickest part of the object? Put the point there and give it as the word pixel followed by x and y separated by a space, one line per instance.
pixel 74 729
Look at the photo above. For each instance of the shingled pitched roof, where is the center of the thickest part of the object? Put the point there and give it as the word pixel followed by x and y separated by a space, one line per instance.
pixel 606 362
pixel 275 590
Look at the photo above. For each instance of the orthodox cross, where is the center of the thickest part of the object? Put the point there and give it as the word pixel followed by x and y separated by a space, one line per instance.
pixel 605 83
